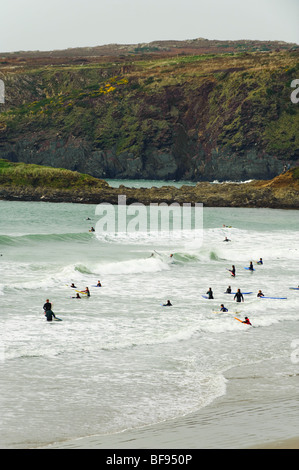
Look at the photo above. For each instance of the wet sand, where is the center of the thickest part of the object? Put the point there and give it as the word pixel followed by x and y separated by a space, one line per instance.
pixel 237 420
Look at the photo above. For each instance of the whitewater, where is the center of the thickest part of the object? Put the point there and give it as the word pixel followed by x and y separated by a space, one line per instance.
pixel 120 360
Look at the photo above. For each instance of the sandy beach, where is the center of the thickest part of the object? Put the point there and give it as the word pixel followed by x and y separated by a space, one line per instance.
pixel 233 421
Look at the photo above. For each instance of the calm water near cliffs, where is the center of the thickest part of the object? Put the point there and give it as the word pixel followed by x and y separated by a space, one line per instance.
pixel 119 360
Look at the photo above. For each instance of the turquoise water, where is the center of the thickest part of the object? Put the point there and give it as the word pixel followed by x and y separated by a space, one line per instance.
pixel 119 359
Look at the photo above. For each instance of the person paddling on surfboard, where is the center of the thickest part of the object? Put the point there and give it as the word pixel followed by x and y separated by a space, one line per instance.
pixel 246 321
pixel 168 304
pixel 77 296
pixel 239 296
pixel 223 309
pixel 48 310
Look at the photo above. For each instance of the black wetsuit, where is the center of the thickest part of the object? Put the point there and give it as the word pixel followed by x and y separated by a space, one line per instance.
pixel 239 296
pixel 48 311
pixel 210 294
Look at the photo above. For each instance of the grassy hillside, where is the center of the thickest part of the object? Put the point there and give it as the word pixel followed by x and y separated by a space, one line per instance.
pixel 204 112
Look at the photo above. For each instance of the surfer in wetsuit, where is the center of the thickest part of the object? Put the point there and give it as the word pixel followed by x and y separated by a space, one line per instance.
pixel 246 321
pixel 233 270
pixel 251 268
pixel 228 290
pixel 87 292
pixel 226 239
pixel 168 304
pixel 223 309
pixel 239 296
pixel 48 310
pixel 99 284
pixel 260 261
pixel 260 294
pixel 210 293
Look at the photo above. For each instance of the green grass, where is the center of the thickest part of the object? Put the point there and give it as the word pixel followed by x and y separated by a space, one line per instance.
pixel 22 174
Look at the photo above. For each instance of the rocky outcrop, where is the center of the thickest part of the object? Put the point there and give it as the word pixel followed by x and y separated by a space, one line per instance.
pixel 280 193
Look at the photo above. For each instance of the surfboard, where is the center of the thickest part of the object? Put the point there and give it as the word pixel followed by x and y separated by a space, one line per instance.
pixel 233 293
pixel 238 319
pixel 57 319
pixel 81 292
pixel 294 288
pixel 249 269
pixel 280 298
pixel 206 297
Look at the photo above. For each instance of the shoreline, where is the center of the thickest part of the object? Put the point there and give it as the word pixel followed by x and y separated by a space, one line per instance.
pixel 236 420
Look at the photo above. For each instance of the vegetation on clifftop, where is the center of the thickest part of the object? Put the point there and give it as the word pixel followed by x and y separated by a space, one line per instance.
pixel 29 175
pixel 194 107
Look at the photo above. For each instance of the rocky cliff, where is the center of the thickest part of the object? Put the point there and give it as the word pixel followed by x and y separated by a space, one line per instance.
pixel 172 112
pixel 25 182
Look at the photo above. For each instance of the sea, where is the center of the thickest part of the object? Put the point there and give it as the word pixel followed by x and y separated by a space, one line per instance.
pixel 121 361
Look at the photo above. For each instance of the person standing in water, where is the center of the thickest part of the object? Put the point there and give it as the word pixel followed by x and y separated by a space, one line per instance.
pixel 87 292
pixel 233 271
pixel 210 293
pixel 48 310
pixel 239 296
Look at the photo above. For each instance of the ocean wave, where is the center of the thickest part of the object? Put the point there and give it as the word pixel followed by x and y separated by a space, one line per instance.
pixel 44 238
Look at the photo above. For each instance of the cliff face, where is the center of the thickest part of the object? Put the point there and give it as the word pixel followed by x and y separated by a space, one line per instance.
pixel 159 116
pixel 19 181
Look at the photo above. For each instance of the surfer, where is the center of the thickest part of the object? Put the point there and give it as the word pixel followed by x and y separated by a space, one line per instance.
pixel 92 229
pixel 48 310
pixel 239 296
pixel 260 294
pixel 73 285
pixel 223 309
pixel 246 321
pixel 226 239
pixel 168 304
pixel 87 292
pixel 233 270
pixel 210 293
pixel 260 261
pixel 251 268
pixel 77 296
pixel 99 284
pixel 229 290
